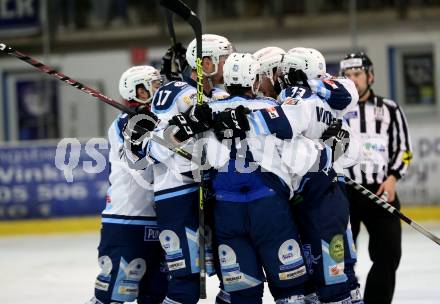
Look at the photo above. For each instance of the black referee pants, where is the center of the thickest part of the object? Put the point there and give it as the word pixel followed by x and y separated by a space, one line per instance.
pixel 384 247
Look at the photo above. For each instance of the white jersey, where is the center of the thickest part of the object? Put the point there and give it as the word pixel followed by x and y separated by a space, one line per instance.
pixel 172 172
pixel 335 98
pixel 268 151
pixel 131 192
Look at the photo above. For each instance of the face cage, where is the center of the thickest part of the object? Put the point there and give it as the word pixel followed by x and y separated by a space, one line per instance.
pixel 149 89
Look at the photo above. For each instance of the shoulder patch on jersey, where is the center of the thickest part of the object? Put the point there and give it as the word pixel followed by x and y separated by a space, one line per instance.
pixel 291 101
pixel 190 99
pixel 273 113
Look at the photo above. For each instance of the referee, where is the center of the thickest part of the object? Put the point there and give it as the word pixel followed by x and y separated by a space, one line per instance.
pixel 386 154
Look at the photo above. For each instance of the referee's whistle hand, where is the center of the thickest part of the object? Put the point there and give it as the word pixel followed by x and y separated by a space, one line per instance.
pixel 388 186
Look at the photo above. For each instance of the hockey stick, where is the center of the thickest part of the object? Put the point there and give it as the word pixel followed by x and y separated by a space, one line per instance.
pixel 182 10
pixel 94 93
pixel 60 76
pixel 388 207
pixel 170 24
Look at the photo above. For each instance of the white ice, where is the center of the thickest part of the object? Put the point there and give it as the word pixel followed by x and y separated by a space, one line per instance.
pixel 62 269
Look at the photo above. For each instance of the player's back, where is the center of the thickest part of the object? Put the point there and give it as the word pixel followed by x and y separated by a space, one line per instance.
pixel 322 115
pixel 130 192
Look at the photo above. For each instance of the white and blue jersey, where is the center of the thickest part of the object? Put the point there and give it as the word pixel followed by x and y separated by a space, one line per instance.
pixel 130 256
pixel 171 99
pixel 286 159
pixel 130 197
pixel 310 114
pixel 176 195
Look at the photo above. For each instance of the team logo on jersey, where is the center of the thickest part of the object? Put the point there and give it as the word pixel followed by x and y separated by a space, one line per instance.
pixel 190 99
pixel 235 68
pixel 291 101
pixel 273 113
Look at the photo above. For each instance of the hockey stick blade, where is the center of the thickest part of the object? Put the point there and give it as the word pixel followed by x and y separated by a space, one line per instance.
pixel 178 7
pixel 388 207
pixel 182 10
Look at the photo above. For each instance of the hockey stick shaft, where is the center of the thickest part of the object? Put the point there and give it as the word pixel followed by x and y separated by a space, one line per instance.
pixel 180 9
pixel 60 76
pixel 388 207
pixel 94 93
pixel 170 24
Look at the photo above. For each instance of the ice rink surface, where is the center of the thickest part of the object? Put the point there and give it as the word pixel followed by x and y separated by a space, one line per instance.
pixel 54 269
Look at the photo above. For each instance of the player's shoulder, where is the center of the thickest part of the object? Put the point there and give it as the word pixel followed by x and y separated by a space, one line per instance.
pixel 175 85
pixel 166 96
pixel 219 94
pixel 389 102
pixel 269 100
pixel 297 91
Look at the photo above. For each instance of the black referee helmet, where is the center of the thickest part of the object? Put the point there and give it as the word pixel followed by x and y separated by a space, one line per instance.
pixel 357 60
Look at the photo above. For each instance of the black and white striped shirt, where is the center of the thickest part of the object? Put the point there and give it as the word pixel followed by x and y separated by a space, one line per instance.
pixel 383 132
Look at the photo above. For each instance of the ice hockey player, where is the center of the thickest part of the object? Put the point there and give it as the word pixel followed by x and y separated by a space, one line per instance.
pixel 130 255
pixel 334 93
pixel 253 225
pixel 177 196
pixel 321 234
pixel 270 62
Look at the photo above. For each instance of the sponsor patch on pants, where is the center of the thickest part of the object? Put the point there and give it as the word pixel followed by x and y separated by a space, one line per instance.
pixel 101 285
pixel 293 274
pixel 175 265
pixel 129 289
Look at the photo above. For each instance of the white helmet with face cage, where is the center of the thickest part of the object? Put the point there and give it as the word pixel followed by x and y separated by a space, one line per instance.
pixel 270 60
pixel 138 75
pixel 213 46
pixel 309 60
pixel 241 69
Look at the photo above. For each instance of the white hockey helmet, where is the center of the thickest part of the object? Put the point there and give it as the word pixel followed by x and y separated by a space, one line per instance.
pixel 213 46
pixel 309 60
pixel 241 69
pixel 269 58
pixel 134 76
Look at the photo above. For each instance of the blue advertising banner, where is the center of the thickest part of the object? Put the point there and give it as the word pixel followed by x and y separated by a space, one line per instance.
pixel 19 17
pixel 32 186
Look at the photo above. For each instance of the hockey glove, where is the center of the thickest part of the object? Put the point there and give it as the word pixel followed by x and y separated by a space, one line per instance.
pixel 296 77
pixel 174 62
pixel 337 138
pixel 196 120
pixel 232 123
pixel 139 124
